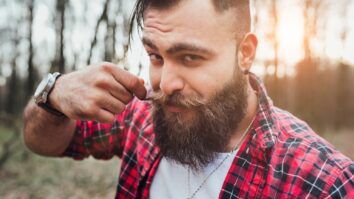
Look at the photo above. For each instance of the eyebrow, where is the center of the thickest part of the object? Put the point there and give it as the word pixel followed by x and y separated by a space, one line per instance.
pixel 149 43
pixel 178 47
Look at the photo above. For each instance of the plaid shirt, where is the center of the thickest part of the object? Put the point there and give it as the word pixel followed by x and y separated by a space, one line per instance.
pixel 281 157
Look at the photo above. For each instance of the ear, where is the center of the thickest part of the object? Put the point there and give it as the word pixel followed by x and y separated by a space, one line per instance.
pixel 247 52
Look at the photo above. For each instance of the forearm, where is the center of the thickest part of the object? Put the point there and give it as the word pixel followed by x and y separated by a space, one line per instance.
pixel 45 133
pixel 97 93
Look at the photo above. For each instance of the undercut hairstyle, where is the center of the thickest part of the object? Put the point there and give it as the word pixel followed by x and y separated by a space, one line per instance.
pixel 242 13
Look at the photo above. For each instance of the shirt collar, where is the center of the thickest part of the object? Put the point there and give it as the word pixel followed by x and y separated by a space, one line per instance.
pixel 264 132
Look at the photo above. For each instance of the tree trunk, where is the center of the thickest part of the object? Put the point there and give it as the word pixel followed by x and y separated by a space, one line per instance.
pixel 58 64
pixel 11 101
pixel 103 18
pixel 31 78
pixel 275 37
pixel 61 63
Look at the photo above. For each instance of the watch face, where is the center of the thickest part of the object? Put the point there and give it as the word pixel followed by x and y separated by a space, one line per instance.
pixel 41 87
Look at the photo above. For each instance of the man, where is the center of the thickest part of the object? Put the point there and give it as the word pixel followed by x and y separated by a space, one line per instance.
pixel 208 128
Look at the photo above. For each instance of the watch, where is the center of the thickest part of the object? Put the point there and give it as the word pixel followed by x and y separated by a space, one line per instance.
pixel 42 92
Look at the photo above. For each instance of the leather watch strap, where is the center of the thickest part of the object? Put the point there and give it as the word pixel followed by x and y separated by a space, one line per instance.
pixel 50 109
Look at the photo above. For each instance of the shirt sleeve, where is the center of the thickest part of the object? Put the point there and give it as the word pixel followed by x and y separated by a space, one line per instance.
pixel 343 186
pixel 102 141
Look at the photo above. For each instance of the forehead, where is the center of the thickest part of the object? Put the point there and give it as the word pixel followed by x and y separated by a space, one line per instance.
pixel 192 20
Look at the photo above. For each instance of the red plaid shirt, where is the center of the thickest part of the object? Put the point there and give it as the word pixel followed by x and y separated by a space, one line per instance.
pixel 281 157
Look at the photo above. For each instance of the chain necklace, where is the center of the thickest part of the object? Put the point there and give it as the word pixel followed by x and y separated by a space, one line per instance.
pixel 219 165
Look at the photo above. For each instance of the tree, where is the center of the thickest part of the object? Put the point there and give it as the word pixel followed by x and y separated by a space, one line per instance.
pixel 13 85
pixel 102 19
pixel 274 33
pixel 59 62
pixel 307 74
pixel 31 77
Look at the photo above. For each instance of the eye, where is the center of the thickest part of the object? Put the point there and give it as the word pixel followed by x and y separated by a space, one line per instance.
pixel 191 59
pixel 155 59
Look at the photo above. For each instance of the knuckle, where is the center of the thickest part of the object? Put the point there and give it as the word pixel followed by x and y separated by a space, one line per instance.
pixel 88 109
pixel 116 107
pixel 133 82
pixel 101 80
pixel 105 66
pixel 120 108
pixel 127 98
pixel 124 96
pixel 107 118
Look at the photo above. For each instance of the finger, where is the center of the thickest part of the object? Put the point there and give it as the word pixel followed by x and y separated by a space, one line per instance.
pixel 104 116
pixel 107 82
pixel 111 104
pixel 131 82
pixel 120 92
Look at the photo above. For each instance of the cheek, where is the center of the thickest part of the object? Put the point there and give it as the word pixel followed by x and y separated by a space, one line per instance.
pixel 220 71
pixel 213 79
pixel 202 84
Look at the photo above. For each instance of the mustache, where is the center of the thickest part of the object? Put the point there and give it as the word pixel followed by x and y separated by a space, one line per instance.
pixel 176 99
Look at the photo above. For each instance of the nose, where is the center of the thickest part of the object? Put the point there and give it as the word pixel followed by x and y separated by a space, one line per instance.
pixel 171 80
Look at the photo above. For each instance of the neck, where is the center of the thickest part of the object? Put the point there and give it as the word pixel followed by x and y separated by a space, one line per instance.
pixel 251 111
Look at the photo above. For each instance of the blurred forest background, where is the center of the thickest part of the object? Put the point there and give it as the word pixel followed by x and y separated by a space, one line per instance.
pixel 305 56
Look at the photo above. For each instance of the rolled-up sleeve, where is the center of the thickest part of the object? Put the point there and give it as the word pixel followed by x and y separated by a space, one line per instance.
pixel 103 141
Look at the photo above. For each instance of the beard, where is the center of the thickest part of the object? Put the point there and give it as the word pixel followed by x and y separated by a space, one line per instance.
pixel 195 141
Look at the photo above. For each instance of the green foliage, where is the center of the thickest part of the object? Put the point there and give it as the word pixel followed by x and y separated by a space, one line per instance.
pixel 27 175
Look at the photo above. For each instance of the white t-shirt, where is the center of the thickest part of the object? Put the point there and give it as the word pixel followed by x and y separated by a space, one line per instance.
pixel 171 179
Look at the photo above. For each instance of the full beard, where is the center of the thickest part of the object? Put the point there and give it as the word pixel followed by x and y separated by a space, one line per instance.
pixel 195 142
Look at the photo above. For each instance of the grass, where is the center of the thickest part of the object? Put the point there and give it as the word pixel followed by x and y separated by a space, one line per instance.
pixel 50 178
pixel 28 176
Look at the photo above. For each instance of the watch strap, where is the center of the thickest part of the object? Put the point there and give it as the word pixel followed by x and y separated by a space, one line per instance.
pixel 46 106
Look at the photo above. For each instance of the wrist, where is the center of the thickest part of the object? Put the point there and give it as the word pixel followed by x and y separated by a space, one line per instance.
pixel 43 92
pixel 53 96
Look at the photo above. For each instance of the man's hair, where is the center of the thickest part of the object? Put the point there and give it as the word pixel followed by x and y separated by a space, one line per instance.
pixel 242 12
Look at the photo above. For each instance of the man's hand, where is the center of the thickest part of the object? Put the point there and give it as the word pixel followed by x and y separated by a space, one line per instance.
pixel 96 93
